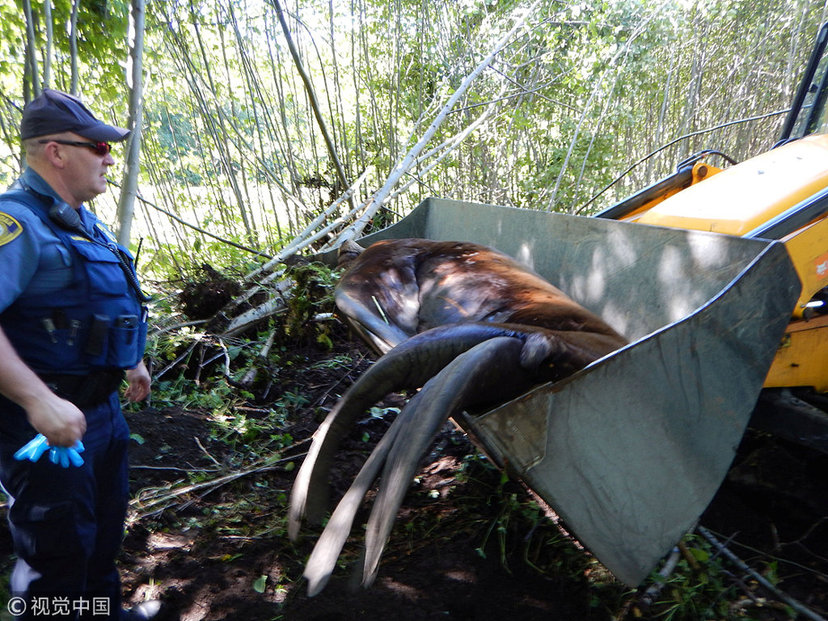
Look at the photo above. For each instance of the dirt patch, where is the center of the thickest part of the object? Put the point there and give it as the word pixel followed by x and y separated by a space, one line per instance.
pixel 439 564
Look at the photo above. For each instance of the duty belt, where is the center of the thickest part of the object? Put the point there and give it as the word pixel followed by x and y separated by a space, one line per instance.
pixel 85 390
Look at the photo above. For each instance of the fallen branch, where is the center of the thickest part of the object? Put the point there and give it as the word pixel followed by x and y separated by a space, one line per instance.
pixel 152 501
pixel 787 599
pixel 175 362
pixel 157 331
pixel 310 234
pixel 261 358
pixel 273 306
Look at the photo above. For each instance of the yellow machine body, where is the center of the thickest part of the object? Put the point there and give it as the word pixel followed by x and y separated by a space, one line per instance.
pixel 737 200
pixel 742 197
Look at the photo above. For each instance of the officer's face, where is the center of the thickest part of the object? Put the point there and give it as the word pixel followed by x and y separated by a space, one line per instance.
pixel 86 171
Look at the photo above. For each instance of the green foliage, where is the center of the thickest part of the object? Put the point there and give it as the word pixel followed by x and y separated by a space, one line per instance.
pixel 174 133
pixel 312 294
pixel 203 371
pixel 689 594
pixel 265 430
pixel 703 586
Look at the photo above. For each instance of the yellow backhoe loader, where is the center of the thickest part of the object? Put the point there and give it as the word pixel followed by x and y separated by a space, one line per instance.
pixel 781 194
pixel 718 279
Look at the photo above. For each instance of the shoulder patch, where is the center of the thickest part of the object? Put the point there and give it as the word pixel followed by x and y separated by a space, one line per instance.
pixel 9 228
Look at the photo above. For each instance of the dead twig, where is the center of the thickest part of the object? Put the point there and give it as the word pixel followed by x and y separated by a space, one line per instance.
pixel 649 596
pixel 178 326
pixel 178 360
pixel 205 451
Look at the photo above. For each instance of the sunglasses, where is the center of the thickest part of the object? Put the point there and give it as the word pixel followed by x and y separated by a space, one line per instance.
pixel 100 148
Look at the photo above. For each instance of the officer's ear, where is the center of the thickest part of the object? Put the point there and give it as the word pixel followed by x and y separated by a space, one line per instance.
pixel 65 216
pixel 53 153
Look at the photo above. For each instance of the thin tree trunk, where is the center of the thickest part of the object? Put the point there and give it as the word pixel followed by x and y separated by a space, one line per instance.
pixel 31 51
pixel 343 136
pixel 135 74
pixel 47 54
pixel 595 92
pixel 234 115
pixel 264 124
pixel 73 46
pixel 311 95
pixel 283 138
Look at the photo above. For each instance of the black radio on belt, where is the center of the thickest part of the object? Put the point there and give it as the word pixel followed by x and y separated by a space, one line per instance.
pixel 97 335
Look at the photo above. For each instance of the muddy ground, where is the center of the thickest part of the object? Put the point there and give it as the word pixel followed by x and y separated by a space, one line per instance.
pixel 467 545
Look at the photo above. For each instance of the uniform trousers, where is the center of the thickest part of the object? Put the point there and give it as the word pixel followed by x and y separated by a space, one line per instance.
pixel 67 523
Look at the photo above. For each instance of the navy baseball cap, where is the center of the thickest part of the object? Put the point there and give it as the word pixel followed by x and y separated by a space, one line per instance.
pixel 53 112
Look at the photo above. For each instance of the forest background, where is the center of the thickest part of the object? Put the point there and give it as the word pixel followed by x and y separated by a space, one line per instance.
pixel 264 121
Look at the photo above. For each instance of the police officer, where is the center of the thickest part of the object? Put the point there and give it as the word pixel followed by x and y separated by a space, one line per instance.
pixel 72 326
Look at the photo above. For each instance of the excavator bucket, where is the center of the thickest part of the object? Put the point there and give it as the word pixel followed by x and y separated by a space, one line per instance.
pixel 630 450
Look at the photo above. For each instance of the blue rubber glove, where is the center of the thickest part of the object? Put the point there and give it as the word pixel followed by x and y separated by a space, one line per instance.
pixel 33 449
pixel 62 455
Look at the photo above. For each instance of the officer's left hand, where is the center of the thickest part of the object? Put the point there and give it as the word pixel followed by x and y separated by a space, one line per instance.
pixel 62 455
pixel 139 383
